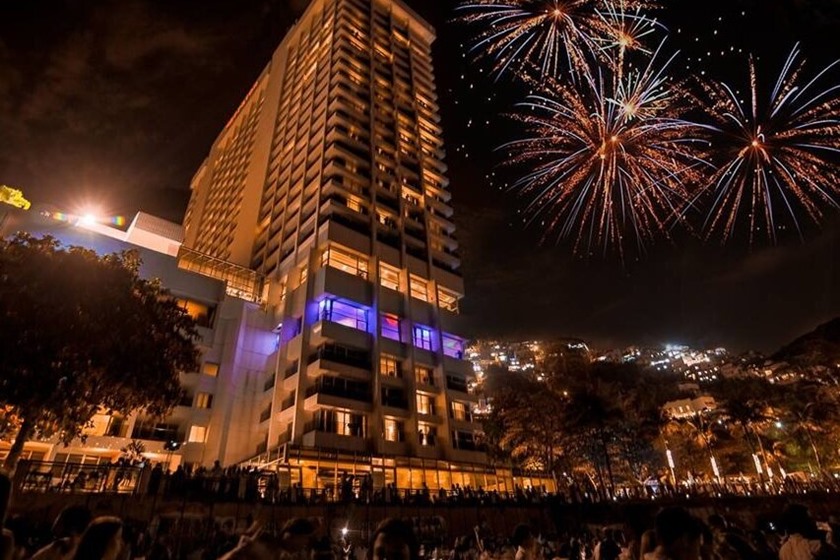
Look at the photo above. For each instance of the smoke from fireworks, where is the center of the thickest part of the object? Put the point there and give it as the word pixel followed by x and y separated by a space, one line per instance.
pixel 779 153
pixel 611 158
pixel 554 35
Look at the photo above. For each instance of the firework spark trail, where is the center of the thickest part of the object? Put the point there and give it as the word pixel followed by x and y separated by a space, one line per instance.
pixel 779 154
pixel 626 30
pixel 602 173
pixel 554 35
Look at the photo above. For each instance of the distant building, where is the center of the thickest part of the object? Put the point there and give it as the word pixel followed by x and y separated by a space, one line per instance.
pixel 687 408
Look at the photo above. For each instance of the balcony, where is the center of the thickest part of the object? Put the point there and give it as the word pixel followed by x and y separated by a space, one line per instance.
pixel 287 403
pixel 339 354
pixel 314 437
pixel 343 388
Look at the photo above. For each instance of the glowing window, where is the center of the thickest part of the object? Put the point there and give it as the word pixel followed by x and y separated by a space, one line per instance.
pixel 425 404
pixel 389 366
pixel 389 276
pixel 423 337
pixel 210 368
pixel 391 327
pixel 427 434
pixel 424 375
pixel 393 429
pixel 447 299
pixel 203 400
pixel 347 424
pixel 343 313
pixel 460 411
pixel 453 346
pixel 198 434
pixel 419 288
pixel 201 313
pixel 345 260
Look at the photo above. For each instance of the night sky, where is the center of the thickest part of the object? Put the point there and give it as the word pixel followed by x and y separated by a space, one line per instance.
pixel 114 103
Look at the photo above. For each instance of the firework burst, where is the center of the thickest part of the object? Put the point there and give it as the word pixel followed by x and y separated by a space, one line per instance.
pixel 611 158
pixel 626 30
pixel 550 35
pixel 779 154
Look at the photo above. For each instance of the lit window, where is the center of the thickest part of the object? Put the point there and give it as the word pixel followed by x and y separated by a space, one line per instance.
pixel 423 338
pixel 389 366
pixel 347 424
pixel 393 429
pixel 447 299
pixel 198 434
pixel 343 313
pixel 391 327
pixel 425 404
pixel 419 288
pixel 345 260
pixel 460 411
pixel 201 313
pixel 389 276
pixel 424 375
pixel 203 400
pixel 353 203
pixel 210 368
pixel 304 273
pixel 453 346
pixel 426 434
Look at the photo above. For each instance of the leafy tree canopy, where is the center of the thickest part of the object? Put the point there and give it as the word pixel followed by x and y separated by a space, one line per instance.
pixel 81 333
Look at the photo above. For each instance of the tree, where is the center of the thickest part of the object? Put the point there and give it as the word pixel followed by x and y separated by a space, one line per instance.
pixel 526 421
pixel 812 411
pixel 82 333
pixel 746 405
pixel 13 197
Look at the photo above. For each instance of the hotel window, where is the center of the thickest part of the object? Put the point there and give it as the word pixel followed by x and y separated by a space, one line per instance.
pixel 201 313
pixel 391 327
pixel 203 400
pixel 210 368
pixel 447 299
pixel 354 203
pixel 389 276
pixel 304 274
pixel 453 346
pixel 461 412
pixel 426 433
pixel 425 404
pixel 389 366
pixel 345 260
pixel 423 338
pixel 348 424
pixel 424 375
pixel 198 434
pixel 343 313
pixel 419 288
pixel 394 430
pixel 464 440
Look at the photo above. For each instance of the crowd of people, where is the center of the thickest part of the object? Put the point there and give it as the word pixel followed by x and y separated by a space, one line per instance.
pixel 675 534
pixel 240 484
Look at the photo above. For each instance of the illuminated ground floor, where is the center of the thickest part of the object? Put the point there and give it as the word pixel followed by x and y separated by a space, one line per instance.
pixel 325 470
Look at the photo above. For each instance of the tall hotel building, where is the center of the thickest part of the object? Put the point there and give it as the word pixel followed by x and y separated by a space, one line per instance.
pixel 324 203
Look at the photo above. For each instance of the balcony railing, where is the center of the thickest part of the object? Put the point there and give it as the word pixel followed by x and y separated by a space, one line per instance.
pixel 342 355
pixel 339 387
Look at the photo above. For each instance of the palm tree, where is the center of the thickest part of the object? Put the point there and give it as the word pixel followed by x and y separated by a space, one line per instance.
pixel 812 409
pixel 745 404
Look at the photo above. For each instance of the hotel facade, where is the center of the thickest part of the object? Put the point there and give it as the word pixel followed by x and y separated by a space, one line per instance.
pixel 321 214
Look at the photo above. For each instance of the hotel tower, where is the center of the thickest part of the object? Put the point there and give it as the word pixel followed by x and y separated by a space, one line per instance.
pixel 324 204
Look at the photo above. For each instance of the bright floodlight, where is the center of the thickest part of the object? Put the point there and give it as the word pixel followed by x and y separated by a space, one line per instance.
pixel 344 532
pixel 87 220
